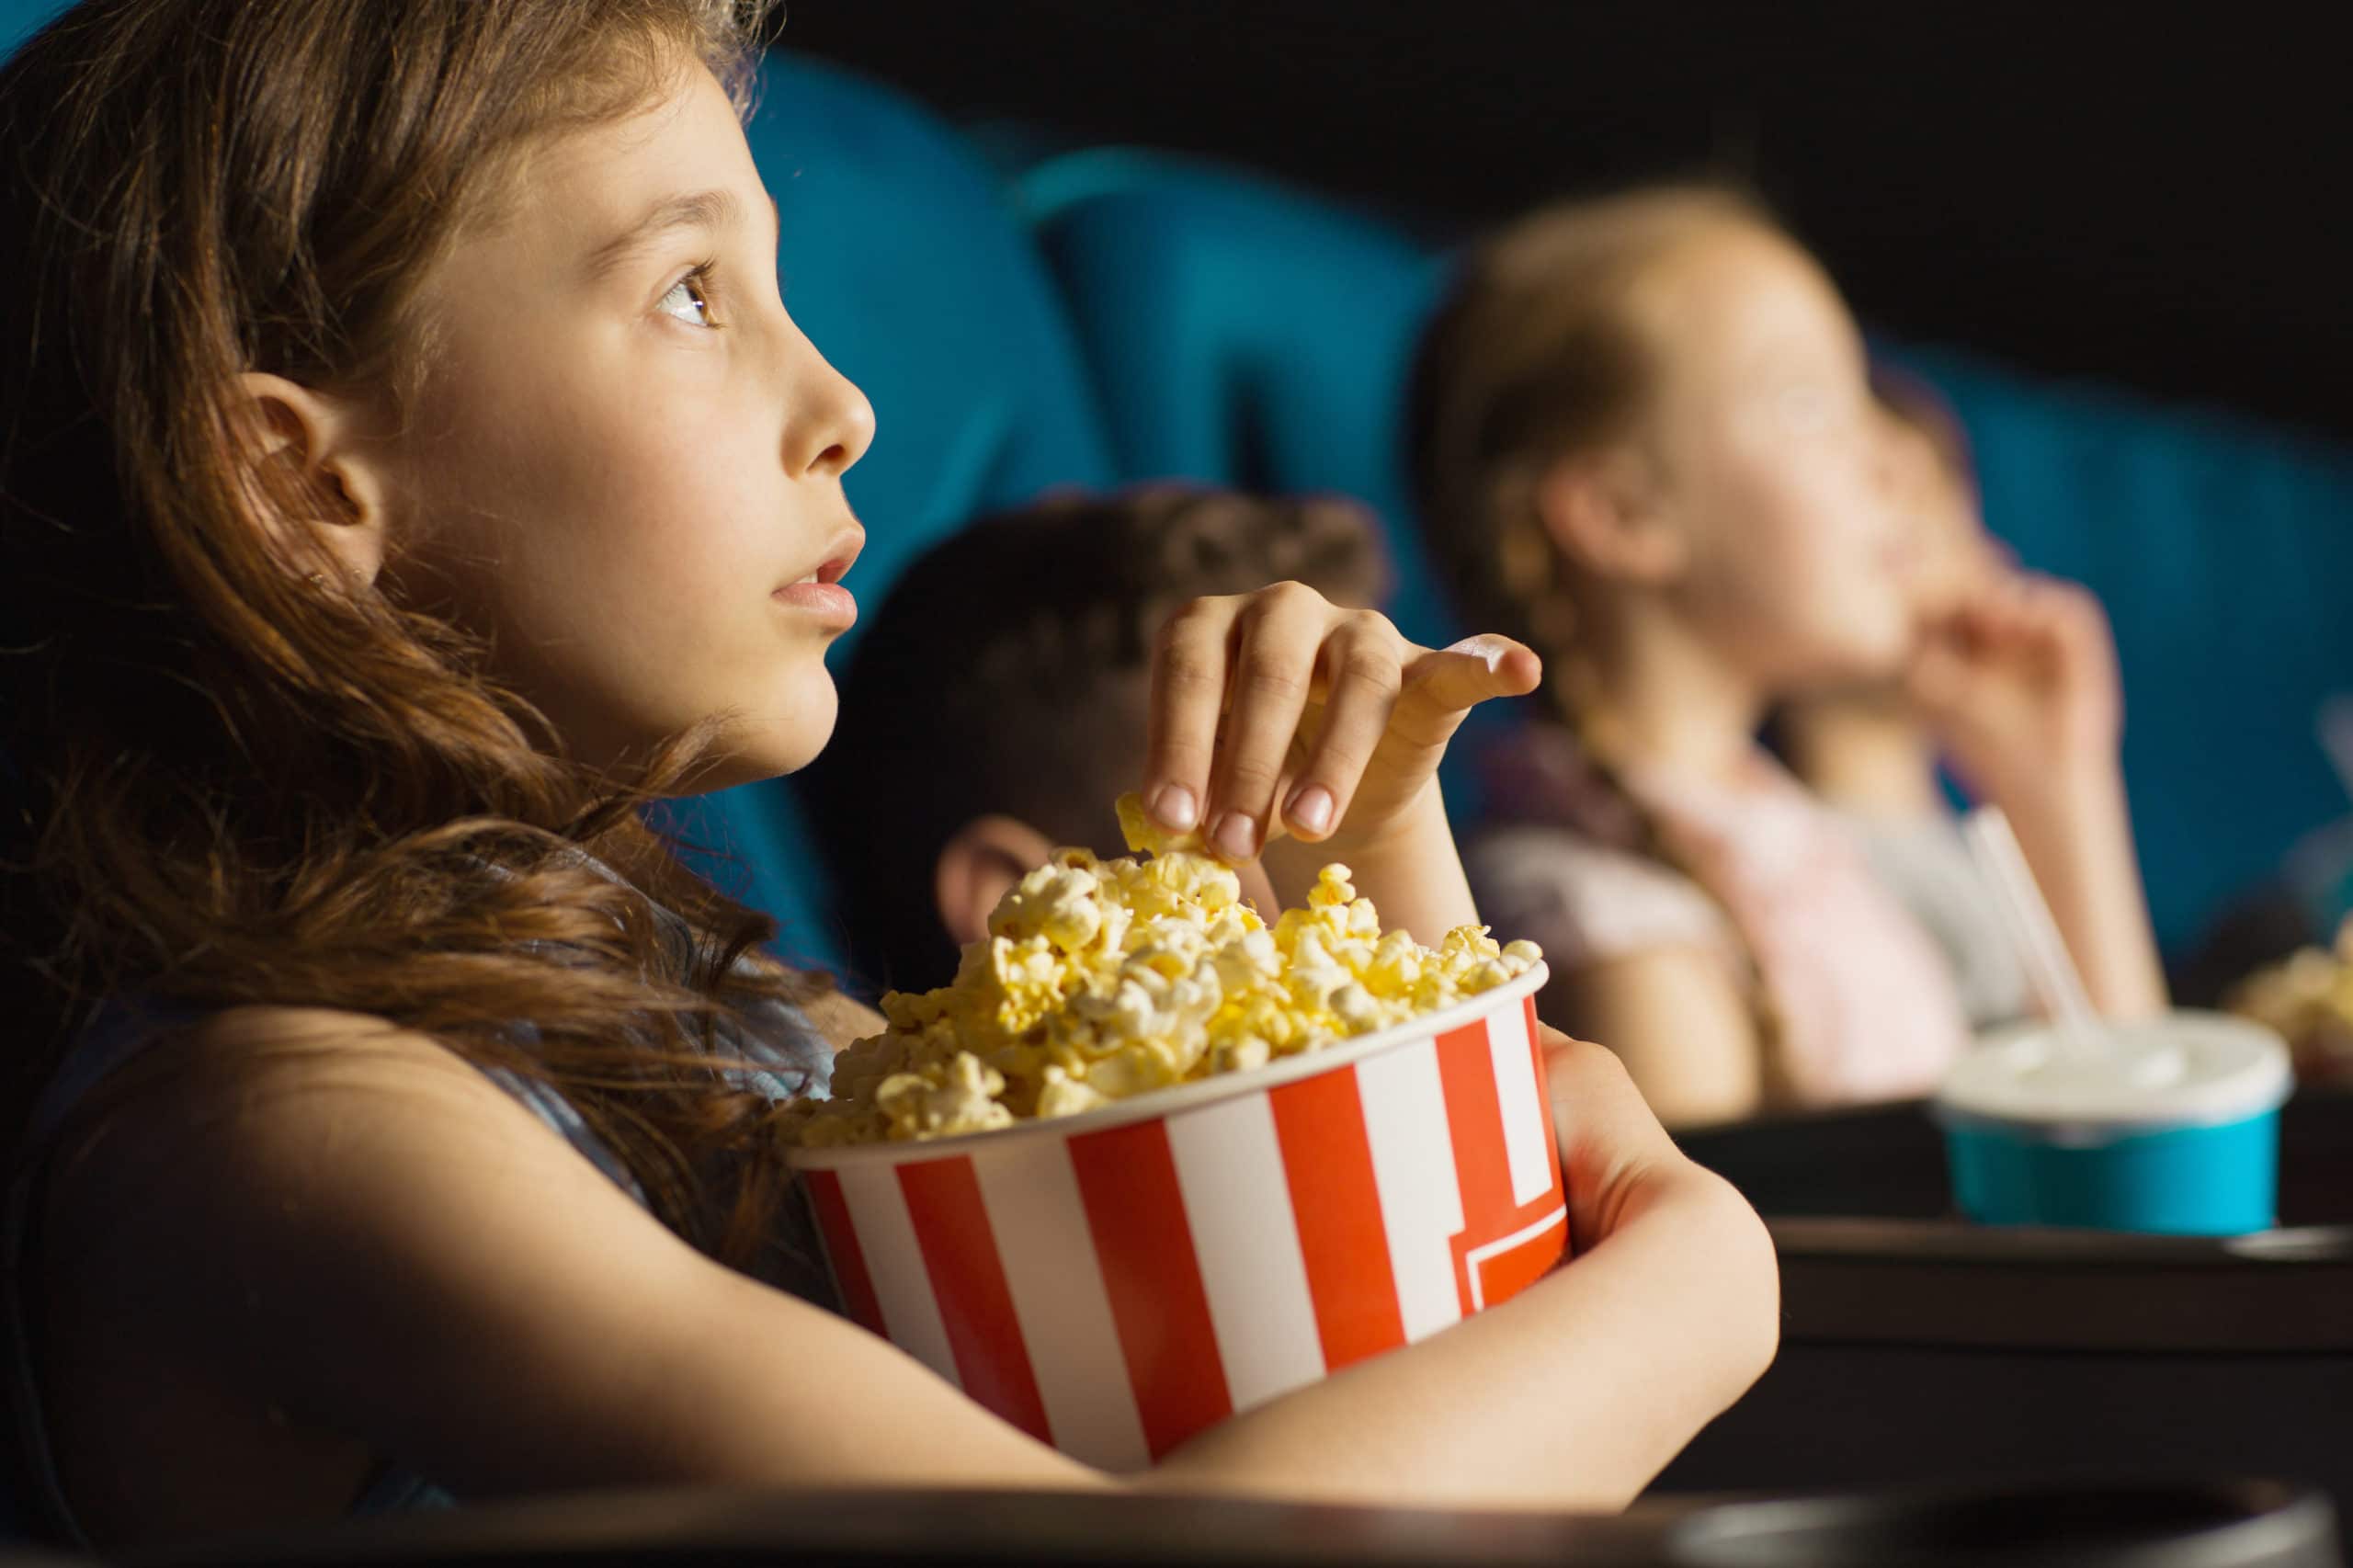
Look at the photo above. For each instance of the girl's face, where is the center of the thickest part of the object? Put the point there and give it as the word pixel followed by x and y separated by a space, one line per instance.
pixel 1954 552
pixel 625 467
pixel 1773 464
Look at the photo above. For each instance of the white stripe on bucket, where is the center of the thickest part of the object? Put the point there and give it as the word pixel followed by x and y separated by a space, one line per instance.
pixel 1031 1196
pixel 1476 1260
pixel 878 1212
pixel 1246 1240
pixel 1523 1106
pixel 1413 1166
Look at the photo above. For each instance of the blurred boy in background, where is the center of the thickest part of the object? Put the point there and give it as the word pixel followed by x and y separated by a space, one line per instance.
pixel 1044 619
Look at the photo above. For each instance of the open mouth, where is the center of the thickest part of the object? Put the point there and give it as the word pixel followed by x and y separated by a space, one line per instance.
pixel 831 571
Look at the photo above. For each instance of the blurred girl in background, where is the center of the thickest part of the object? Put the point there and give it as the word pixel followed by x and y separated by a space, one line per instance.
pixel 1645 441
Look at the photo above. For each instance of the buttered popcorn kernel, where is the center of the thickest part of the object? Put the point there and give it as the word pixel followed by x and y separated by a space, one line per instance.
pixel 1104 978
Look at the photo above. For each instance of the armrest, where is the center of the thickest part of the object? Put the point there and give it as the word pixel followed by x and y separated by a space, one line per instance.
pixel 2248 1523
pixel 1948 1283
pixel 674 1528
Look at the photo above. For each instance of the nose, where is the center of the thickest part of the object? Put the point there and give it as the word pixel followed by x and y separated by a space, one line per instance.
pixel 829 423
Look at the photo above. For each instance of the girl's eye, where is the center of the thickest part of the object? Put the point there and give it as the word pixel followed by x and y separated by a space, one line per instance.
pixel 690 299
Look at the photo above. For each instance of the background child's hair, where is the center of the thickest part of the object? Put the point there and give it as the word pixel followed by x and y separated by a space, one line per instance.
pixel 1535 356
pixel 1004 667
pixel 241 786
pixel 1916 402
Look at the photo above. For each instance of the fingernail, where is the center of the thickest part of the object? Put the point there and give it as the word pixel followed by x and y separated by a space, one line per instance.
pixel 1488 650
pixel 1175 807
pixel 1237 835
pixel 1310 808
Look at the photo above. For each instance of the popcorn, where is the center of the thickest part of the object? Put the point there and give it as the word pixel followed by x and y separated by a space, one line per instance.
pixel 1099 980
pixel 2308 999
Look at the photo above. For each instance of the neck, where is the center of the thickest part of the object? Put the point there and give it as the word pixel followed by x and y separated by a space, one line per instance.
pixel 1863 752
pixel 1661 696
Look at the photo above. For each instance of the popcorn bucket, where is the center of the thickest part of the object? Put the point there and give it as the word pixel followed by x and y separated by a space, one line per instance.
pixel 1115 1281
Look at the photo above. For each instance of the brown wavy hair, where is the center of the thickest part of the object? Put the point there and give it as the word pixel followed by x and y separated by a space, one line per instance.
pixel 240 784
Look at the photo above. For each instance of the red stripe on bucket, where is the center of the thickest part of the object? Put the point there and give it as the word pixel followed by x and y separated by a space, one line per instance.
pixel 843 1251
pixel 960 1254
pixel 1327 1160
pixel 1474 1114
pixel 1127 1178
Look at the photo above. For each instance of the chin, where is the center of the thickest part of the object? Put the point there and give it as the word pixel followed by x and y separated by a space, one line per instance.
pixel 1865 656
pixel 786 739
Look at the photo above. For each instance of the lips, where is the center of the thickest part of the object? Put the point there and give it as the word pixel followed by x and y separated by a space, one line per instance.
pixel 820 593
pixel 841 553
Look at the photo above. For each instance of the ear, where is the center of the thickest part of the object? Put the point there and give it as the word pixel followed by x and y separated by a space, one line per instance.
pixel 300 434
pixel 986 857
pixel 1608 512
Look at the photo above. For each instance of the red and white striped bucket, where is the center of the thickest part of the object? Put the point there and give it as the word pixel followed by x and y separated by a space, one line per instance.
pixel 1113 1282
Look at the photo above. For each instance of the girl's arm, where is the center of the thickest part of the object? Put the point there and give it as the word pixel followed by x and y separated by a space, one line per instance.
pixel 347 1223
pixel 2021 687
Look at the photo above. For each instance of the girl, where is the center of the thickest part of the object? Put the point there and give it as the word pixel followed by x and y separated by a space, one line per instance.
pixel 407 469
pixel 1644 441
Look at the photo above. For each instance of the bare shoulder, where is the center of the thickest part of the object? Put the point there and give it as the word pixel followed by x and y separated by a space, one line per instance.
pixel 293 1112
pixel 348 1222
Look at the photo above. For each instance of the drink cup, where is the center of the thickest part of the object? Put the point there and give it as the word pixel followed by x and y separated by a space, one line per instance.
pixel 2168 1125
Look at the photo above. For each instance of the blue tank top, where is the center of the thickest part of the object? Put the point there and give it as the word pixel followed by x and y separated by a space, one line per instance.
pixel 793 1058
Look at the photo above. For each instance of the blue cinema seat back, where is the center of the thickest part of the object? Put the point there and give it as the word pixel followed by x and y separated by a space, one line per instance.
pixel 905 267
pixel 19 18
pixel 1243 333
pixel 2224 550
pixel 1243 336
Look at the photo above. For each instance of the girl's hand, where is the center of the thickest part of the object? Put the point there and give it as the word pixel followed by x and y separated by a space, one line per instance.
pixel 1279 712
pixel 1612 1147
pixel 2019 679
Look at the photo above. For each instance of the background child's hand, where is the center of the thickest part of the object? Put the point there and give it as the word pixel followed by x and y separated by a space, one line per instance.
pixel 2020 678
pixel 1279 712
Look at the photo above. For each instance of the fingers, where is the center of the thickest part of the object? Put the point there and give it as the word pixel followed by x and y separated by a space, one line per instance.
pixel 1279 640
pixel 1189 670
pixel 1362 672
pixel 1233 678
pixel 1443 684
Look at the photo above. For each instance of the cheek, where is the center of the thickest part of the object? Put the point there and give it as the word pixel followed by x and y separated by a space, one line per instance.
pixel 1808 582
pixel 621 569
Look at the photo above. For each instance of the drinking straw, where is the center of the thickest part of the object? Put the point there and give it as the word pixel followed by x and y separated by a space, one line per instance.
pixel 2003 863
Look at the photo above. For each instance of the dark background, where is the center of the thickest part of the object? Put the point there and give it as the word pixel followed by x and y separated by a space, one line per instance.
pixel 2148 193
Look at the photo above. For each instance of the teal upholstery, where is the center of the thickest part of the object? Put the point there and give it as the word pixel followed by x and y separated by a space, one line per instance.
pixel 20 18
pixel 1239 333
pixel 2223 550
pixel 1242 336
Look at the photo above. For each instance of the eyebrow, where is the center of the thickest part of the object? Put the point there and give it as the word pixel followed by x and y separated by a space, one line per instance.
pixel 694 209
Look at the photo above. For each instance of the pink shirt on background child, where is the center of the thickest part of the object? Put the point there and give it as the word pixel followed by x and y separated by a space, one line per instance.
pixel 1865 1005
